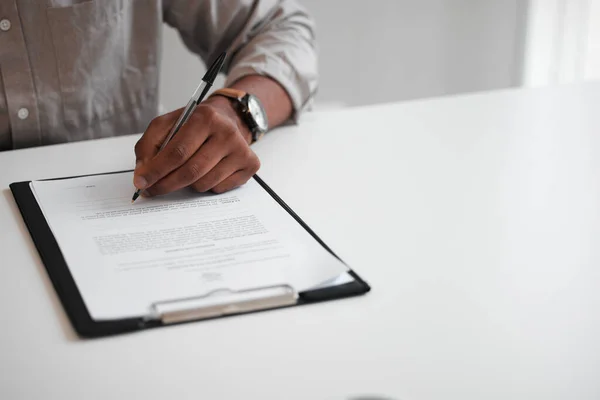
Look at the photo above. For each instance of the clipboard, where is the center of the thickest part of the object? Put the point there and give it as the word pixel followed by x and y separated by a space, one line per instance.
pixel 209 306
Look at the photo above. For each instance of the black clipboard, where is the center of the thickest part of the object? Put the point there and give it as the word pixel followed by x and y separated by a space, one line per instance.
pixel 73 303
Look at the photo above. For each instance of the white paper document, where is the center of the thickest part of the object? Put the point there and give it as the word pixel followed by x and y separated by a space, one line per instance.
pixel 125 257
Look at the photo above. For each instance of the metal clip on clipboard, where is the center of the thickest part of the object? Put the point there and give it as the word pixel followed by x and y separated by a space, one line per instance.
pixel 223 302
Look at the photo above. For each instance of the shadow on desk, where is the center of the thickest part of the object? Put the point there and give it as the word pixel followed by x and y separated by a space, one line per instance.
pixel 63 320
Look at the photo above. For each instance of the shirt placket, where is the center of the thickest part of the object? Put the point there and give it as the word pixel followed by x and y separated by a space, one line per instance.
pixel 17 76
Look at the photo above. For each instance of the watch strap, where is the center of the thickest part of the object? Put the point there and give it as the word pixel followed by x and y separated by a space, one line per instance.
pixel 231 93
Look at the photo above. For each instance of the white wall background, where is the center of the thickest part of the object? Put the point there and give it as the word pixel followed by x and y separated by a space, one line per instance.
pixel 563 42
pixel 385 50
pixel 388 50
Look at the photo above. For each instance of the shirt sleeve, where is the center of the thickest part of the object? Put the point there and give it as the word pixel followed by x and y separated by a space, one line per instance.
pixel 274 38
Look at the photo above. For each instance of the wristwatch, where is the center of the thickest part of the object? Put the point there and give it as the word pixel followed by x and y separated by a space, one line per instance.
pixel 251 110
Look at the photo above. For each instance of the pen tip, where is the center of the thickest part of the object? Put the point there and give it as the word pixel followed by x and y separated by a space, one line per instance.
pixel 135 196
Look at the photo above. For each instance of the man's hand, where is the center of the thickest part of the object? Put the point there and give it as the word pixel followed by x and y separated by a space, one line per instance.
pixel 210 152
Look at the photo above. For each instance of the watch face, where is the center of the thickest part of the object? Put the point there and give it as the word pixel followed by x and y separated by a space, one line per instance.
pixel 258 113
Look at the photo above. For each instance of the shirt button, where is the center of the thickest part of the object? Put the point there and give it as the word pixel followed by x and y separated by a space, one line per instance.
pixel 4 25
pixel 23 113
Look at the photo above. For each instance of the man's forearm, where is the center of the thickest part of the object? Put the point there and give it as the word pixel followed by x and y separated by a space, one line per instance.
pixel 272 95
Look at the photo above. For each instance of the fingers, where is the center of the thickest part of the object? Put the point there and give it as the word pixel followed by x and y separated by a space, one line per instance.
pixel 229 172
pixel 225 169
pixel 251 165
pixel 178 151
pixel 242 165
pixel 233 181
pixel 210 152
pixel 205 159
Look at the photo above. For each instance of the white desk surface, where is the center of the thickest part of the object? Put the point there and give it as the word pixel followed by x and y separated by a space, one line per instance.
pixel 475 219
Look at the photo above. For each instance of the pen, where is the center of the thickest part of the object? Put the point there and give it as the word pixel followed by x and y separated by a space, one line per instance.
pixel 207 81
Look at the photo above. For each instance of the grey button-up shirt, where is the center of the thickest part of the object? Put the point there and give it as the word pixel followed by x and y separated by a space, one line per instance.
pixel 82 69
